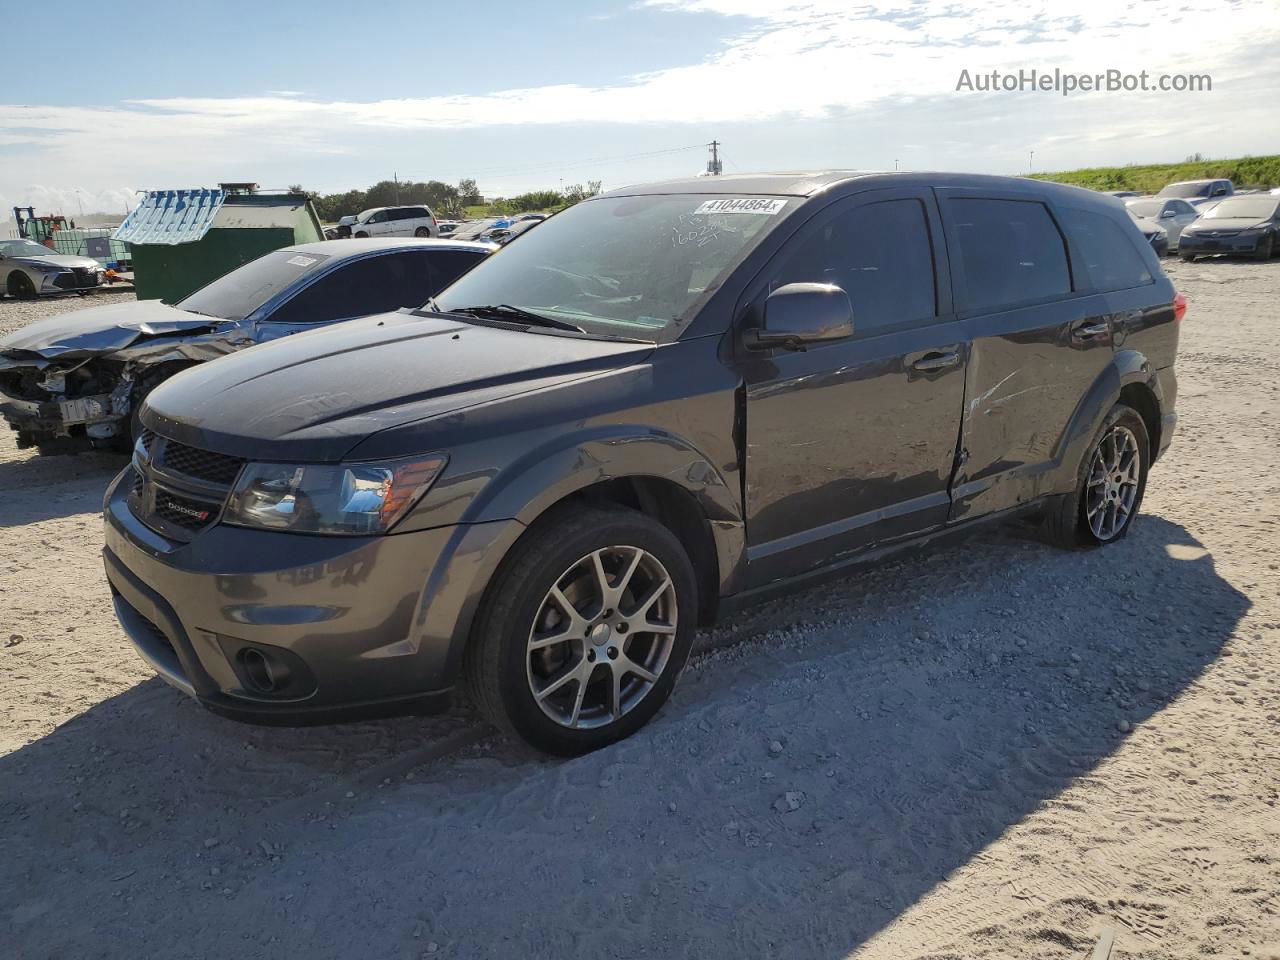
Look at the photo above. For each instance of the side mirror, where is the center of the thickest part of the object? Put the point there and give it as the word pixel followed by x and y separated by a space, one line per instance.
pixel 1165 215
pixel 799 314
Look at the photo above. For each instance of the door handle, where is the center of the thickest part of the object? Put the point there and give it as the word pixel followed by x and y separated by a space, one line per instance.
pixel 936 360
pixel 1087 331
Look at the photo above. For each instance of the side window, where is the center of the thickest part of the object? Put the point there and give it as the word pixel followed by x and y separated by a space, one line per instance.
pixel 880 254
pixel 401 213
pixel 1011 252
pixel 1109 254
pixel 446 266
pixel 1184 207
pixel 379 217
pixel 356 289
pixel 418 213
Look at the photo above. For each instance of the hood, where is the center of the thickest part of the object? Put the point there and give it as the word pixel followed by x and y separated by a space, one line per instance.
pixel 312 397
pixel 1226 223
pixel 57 260
pixel 101 329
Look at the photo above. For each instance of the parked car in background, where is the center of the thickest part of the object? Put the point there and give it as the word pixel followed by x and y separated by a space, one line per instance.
pixel 1248 225
pixel 505 235
pixel 1170 213
pixel 481 229
pixel 341 229
pixel 447 227
pixel 1122 193
pixel 411 221
pixel 1154 234
pixel 1197 192
pixel 31 270
pixel 661 404
pixel 85 374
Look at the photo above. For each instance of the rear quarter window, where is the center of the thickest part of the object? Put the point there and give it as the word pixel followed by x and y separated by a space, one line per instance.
pixel 1011 252
pixel 1107 250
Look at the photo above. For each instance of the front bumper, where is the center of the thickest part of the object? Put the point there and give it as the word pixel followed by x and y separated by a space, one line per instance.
pixel 41 419
pixel 1238 244
pixel 284 628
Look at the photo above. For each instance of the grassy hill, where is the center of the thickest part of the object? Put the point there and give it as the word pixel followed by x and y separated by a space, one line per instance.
pixel 1245 172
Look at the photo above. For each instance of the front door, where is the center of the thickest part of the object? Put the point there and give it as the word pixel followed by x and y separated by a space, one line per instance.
pixel 853 442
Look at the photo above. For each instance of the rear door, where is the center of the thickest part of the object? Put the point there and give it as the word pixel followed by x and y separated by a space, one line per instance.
pixel 1040 338
pixel 356 288
pixel 853 442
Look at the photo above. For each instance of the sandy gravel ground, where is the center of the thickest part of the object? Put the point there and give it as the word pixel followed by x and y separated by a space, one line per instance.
pixel 995 750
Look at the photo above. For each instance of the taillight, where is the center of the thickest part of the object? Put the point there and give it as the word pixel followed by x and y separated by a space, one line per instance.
pixel 1179 307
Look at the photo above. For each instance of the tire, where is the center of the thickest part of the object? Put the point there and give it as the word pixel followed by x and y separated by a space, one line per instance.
pixel 1072 520
pixel 568 716
pixel 362 235
pixel 1188 257
pixel 422 232
pixel 1265 249
pixel 20 286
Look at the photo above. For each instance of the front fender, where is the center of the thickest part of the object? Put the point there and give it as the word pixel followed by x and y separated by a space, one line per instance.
pixel 548 473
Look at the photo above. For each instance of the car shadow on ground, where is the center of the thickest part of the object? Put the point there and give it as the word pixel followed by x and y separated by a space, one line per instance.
pixel 43 487
pixel 921 710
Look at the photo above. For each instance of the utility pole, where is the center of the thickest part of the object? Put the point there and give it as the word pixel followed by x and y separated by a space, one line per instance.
pixel 1030 161
pixel 714 166
pixel 396 177
pixel 895 164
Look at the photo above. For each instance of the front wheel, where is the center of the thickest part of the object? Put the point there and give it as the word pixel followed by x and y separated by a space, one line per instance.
pixel 362 235
pixel 1265 249
pixel 20 286
pixel 1188 257
pixel 585 629
pixel 1109 490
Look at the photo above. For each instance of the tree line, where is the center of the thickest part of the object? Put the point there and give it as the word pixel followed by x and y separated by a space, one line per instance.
pixel 445 200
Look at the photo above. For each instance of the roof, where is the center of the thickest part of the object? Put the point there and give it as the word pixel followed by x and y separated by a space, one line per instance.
pixel 812 183
pixel 171 217
pixel 353 246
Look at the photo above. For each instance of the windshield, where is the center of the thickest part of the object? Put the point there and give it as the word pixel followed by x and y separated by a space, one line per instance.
pixel 25 248
pixel 1243 208
pixel 1184 190
pixel 237 294
pixel 1145 208
pixel 624 266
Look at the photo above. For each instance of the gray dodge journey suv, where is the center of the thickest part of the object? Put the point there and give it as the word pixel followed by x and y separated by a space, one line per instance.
pixel 662 403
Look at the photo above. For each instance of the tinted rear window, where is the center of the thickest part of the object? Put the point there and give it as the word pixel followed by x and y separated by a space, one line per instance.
pixel 1011 252
pixel 1108 250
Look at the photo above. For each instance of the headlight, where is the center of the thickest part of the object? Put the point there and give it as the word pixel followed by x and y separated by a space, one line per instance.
pixel 352 499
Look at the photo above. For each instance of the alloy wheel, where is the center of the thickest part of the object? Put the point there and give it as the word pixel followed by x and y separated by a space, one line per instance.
pixel 1112 488
pixel 601 637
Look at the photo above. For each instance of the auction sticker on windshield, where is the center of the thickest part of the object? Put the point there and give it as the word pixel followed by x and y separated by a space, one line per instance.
pixel 765 205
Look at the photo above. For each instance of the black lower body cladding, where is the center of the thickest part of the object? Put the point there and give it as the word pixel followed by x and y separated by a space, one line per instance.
pixel 293 629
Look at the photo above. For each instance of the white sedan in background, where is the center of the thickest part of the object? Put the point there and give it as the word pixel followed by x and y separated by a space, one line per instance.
pixel 29 270
pixel 1170 213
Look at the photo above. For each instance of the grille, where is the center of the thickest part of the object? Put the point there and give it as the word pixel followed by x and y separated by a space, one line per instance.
pixel 137 484
pixel 78 278
pixel 183 512
pixel 201 464
pixel 148 437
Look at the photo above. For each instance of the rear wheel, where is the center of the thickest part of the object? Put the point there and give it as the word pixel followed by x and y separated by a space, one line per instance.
pixel 1109 490
pixel 585 629
pixel 422 232
pixel 20 286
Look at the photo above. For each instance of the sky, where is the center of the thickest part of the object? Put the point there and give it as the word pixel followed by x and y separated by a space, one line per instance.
pixel 521 95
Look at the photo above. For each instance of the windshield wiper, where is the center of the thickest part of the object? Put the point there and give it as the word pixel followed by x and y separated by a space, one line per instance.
pixel 504 311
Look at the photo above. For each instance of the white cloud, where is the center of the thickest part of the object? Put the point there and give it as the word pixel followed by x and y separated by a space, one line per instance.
pixel 808 59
